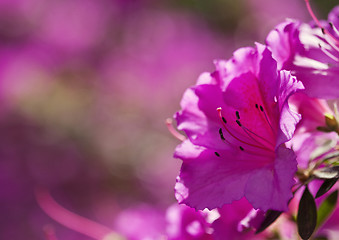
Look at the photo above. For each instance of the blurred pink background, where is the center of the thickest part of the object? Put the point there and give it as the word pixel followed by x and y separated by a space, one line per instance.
pixel 85 89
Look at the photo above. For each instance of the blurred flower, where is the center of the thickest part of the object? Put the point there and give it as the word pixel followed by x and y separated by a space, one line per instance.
pixel 69 119
pixel 141 222
pixel 311 52
pixel 316 133
pixel 236 222
pixel 238 150
pixel 31 156
pixel 187 223
pixel 74 26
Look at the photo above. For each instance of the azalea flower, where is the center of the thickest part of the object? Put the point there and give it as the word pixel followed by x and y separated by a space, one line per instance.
pixel 311 52
pixel 237 120
pixel 186 223
pixel 317 132
pixel 237 220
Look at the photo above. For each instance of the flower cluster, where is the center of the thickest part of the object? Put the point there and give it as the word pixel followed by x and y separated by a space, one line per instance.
pixel 260 128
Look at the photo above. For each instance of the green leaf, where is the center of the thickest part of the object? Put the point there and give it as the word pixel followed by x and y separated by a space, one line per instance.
pixel 326 186
pixel 271 216
pixel 307 215
pixel 326 208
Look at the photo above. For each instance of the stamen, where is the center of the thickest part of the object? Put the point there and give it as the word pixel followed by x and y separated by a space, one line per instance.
pixel 238 122
pixel 223 137
pixel 263 155
pixel 334 28
pixel 267 120
pixel 325 32
pixel 247 130
pixel 217 154
pixel 237 114
pixel 333 45
pixel 175 133
pixel 235 137
pixel 221 134
pixel 330 55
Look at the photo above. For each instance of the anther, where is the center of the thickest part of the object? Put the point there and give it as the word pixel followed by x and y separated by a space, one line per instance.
pixel 266 117
pixel 221 134
pixel 237 114
pixel 334 28
pixel 238 122
pixel 217 154
pixel 324 31
pixel 329 54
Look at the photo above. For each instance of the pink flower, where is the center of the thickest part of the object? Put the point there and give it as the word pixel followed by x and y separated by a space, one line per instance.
pixel 311 52
pixel 239 149
pixel 186 223
pixel 316 133
pixel 141 222
pixel 236 221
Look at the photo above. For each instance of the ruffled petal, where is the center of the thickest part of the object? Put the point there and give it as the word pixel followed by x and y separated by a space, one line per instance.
pixel 199 118
pixel 270 187
pixel 288 118
pixel 309 54
pixel 283 41
pixel 207 180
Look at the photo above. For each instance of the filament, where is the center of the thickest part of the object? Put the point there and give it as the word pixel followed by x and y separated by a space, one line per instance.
pixel 68 218
pixel 330 55
pixel 223 122
pixel 174 132
pixel 318 23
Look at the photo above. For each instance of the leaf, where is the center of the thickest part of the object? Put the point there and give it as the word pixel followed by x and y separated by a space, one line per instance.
pixel 327 172
pixel 326 186
pixel 326 208
pixel 271 216
pixel 307 215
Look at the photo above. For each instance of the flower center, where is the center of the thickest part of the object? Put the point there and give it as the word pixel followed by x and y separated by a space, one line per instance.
pixel 244 138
